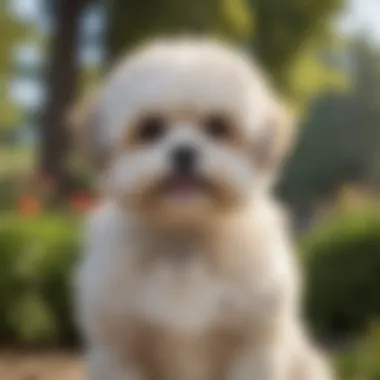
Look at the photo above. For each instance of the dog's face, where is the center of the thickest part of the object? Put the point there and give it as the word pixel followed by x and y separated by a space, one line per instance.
pixel 190 130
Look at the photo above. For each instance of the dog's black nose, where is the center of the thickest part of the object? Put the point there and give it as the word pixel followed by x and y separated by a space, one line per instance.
pixel 183 158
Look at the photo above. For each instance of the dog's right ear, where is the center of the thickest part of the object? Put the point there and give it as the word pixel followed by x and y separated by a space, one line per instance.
pixel 85 124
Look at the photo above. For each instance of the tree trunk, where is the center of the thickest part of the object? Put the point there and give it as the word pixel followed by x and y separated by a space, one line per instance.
pixel 60 90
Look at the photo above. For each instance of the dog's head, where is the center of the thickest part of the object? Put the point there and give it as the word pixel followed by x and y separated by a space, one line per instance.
pixel 188 129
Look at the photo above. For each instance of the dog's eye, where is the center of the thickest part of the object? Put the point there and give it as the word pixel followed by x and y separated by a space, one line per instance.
pixel 151 129
pixel 217 126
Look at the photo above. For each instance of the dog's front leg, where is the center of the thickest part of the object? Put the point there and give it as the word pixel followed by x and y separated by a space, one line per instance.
pixel 103 364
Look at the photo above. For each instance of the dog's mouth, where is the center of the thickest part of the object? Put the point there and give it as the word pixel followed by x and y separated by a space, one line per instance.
pixel 184 186
pixel 185 191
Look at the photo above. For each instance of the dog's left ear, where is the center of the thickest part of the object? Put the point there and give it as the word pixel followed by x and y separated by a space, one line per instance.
pixel 277 136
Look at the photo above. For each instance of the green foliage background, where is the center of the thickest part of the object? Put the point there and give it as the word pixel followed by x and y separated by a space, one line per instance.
pixel 36 260
pixel 333 84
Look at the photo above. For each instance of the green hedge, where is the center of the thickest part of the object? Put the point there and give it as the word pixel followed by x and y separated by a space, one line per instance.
pixel 361 360
pixel 342 260
pixel 36 258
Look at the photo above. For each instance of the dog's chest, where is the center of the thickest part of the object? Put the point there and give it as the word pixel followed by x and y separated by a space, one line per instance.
pixel 171 298
pixel 189 298
pixel 183 296
pixel 174 287
pixel 182 317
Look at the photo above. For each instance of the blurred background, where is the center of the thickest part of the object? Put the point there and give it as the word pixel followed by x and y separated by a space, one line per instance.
pixel 323 55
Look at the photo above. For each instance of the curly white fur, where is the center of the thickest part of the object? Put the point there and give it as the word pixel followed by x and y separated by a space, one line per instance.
pixel 202 286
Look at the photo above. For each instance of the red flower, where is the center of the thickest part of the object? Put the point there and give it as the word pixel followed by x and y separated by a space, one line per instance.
pixel 81 202
pixel 28 205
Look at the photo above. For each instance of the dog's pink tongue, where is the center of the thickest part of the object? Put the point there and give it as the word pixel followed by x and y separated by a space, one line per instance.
pixel 184 185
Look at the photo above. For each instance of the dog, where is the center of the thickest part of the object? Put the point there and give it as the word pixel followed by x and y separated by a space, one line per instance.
pixel 188 272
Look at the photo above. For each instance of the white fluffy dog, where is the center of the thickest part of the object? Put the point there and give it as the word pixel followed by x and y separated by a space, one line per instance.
pixel 188 273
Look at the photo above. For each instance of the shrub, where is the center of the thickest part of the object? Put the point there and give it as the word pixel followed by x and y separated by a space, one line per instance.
pixel 9 191
pixel 361 361
pixel 36 257
pixel 342 260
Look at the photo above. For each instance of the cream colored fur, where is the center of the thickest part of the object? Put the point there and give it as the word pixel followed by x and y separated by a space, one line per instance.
pixel 201 287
